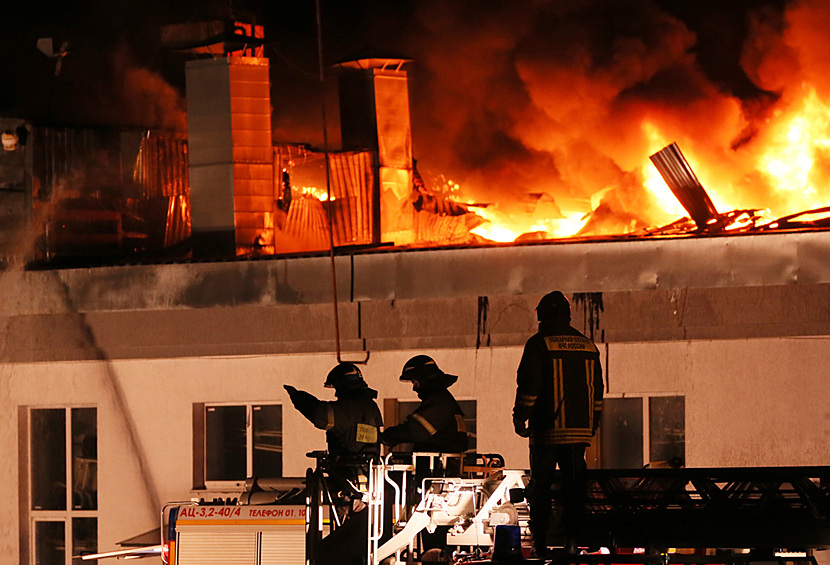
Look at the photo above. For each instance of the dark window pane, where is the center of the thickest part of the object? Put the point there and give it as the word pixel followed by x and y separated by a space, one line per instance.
pixel 667 428
pixel 48 443
pixel 84 538
pixel 267 441
pixel 225 458
pixel 84 459
pixel 49 543
pixel 622 433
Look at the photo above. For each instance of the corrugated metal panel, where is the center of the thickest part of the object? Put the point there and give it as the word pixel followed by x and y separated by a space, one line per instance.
pixel 178 220
pixel 307 222
pixel 161 166
pixel 683 183
pixel 61 154
pixel 216 548
pixel 285 546
pixel 352 184
pixel 445 229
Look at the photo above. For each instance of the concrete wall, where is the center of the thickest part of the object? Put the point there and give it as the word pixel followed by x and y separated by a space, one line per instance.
pixel 144 343
pixel 736 414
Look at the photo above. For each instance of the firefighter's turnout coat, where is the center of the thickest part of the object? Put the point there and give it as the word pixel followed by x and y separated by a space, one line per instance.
pixel 437 425
pixel 352 422
pixel 559 386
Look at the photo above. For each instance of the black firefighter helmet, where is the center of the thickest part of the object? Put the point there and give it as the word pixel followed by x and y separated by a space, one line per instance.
pixel 345 376
pixel 554 305
pixel 424 370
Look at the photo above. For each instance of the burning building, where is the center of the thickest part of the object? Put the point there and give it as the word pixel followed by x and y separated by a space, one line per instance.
pixel 124 384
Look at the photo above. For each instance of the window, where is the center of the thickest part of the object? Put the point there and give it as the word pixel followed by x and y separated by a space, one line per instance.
pixel 633 427
pixel 406 407
pixel 235 441
pixel 63 465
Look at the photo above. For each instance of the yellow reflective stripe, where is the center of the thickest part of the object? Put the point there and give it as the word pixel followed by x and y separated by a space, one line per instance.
pixel 366 433
pixel 329 418
pixel 558 399
pixel 423 421
pixel 589 375
pixel 525 400
pixel 241 522
pixel 569 343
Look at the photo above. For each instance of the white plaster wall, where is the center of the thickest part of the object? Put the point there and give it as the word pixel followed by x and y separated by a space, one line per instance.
pixel 748 403
pixel 122 492
pixel 762 402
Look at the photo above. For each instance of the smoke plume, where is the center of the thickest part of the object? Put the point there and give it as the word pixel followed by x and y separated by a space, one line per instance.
pixel 570 98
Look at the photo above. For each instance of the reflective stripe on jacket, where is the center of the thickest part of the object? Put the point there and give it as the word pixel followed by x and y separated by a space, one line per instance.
pixel 559 387
pixel 437 425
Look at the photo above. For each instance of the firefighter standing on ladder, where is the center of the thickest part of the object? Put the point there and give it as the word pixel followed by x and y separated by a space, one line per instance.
pixel 558 406
pixel 437 425
pixel 352 421
pixel 353 424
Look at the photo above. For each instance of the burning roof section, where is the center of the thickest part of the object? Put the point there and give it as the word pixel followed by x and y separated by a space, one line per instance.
pixel 531 125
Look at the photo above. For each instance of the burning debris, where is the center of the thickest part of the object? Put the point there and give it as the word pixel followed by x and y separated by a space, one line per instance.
pixel 543 115
pixel 704 218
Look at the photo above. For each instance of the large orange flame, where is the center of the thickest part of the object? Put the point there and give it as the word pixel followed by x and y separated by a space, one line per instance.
pixel 791 158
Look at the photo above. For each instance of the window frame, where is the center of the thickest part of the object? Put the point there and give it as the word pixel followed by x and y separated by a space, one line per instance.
pixel 593 455
pixel 200 438
pixel 31 516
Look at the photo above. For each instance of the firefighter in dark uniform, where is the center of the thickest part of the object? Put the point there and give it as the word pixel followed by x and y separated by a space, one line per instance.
pixel 558 406
pixel 437 425
pixel 353 424
pixel 352 421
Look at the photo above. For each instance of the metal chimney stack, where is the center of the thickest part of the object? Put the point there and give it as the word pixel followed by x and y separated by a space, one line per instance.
pixel 231 155
pixel 374 115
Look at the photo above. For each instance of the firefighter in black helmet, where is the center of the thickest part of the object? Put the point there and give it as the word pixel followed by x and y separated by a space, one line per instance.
pixel 352 421
pixel 558 406
pixel 437 425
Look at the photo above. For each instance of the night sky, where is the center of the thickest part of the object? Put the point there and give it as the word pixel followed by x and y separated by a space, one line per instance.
pixel 97 29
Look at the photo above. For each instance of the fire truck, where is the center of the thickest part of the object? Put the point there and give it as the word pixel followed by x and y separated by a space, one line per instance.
pixel 478 511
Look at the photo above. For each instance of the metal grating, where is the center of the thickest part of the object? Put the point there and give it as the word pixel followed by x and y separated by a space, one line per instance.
pixel 216 548
pixel 285 546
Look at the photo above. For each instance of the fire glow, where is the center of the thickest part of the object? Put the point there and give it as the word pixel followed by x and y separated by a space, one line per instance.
pixel 597 118
pixel 792 160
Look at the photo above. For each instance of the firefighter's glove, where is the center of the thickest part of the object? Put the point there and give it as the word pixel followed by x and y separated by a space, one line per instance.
pixel 520 426
pixel 292 392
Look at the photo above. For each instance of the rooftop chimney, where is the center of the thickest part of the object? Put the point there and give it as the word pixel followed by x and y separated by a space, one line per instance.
pixel 374 115
pixel 231 155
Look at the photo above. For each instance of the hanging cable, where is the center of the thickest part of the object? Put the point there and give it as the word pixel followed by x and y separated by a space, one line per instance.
pixel 330 201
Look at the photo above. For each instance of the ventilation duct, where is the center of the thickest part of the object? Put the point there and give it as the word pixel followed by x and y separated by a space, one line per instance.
pixel 231 156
